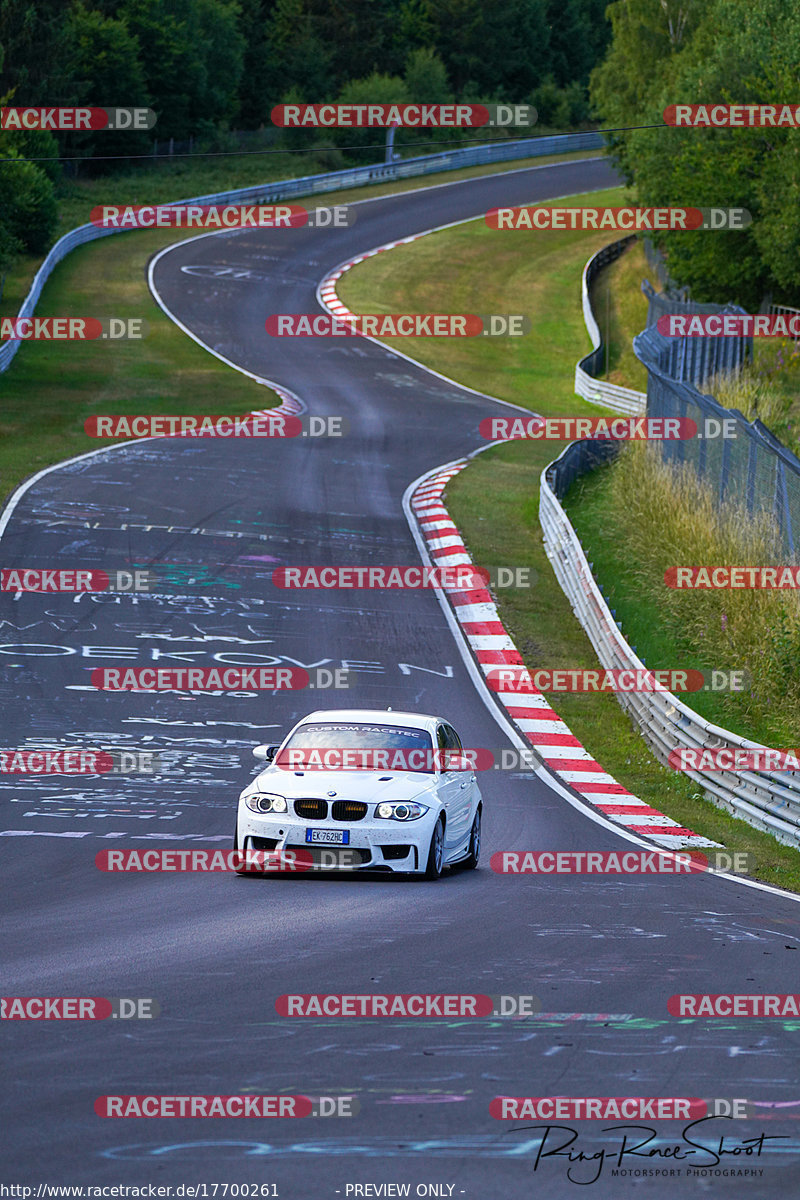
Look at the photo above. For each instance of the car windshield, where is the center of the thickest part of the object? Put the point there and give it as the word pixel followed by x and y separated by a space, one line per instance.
pixel 382 747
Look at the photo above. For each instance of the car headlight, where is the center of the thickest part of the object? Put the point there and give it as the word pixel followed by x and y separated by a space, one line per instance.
pixel 261 802
pixel 401 811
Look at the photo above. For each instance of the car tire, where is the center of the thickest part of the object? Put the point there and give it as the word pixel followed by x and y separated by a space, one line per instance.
pixel 435 864
pixel 471 861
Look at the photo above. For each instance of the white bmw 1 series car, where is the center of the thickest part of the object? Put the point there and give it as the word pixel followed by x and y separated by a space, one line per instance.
pixel 362 789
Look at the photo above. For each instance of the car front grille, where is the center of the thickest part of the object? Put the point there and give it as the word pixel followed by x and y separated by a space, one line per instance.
pixel 348 810
pixel 312 809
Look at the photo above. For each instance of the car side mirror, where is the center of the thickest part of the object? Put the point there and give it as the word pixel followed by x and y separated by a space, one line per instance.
pixel 266 753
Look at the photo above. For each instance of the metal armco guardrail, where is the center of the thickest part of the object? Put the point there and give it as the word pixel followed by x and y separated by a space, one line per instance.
pixel 768 800
pixel 310 185
pixel 598 391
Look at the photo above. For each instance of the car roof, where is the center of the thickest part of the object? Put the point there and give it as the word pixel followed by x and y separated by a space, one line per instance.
pixel 372 716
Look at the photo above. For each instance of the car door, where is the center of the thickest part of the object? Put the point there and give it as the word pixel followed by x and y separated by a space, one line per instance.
pixel 456 789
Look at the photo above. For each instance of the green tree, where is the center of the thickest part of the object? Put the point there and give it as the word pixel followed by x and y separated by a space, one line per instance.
pixel 172 60
pixel 775 57
pixel 9 249
pixel 223 55
pixel 10 246
pixel 458 26
pixel 192 54
pixel 359 36
pixel 262 81
pixel 425 78
pixel 412 28
pixel 497 51
pixel 578 36
pixel 647 36
pixel 299 55
pixel 27 203
pixel 28 211
pixel 732 57
pixel 37 144
pixel 107 72
pixel 375 89
pixel 36 65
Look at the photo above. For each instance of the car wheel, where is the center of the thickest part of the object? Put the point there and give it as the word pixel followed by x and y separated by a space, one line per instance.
pixel 433 869
pixel 471 861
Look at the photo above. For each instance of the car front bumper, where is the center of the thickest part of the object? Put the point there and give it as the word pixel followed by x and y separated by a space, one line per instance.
pixel 396 846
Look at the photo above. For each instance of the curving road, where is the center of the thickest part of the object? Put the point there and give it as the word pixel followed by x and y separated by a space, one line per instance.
pixel 216 950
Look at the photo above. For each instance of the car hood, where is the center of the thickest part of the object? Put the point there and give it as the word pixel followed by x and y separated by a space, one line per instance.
pixel 348 785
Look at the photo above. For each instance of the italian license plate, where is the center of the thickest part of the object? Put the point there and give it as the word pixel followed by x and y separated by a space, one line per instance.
pixel 328 837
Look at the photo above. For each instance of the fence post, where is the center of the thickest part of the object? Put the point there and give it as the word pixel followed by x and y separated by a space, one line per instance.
pixel 752 463
pixel 724 469
pixel 781 507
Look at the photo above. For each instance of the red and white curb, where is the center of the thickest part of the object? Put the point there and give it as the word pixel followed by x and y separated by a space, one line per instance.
pixel 327 289
pixel 289 406
pixel 550 737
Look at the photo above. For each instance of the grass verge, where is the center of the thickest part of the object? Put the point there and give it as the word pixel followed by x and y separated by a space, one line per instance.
pixel 474 269
pixel 767 388
pixel 495 504
pixel 620 309
pixel 639 516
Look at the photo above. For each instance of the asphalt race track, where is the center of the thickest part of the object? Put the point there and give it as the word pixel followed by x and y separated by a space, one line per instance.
pixel 216 950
